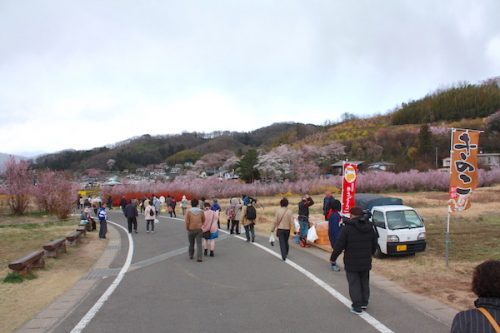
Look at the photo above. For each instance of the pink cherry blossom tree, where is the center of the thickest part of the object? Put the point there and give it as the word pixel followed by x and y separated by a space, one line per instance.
pixel 55 193
pixel 18 185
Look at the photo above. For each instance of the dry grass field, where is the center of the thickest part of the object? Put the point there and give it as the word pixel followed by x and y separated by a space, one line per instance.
pixel 22 235
pixel 475 236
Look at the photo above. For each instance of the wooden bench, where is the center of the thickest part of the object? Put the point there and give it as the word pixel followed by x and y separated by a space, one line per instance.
pixel 83 230
pixel 74 237
pixel 24 265
pixel 53 247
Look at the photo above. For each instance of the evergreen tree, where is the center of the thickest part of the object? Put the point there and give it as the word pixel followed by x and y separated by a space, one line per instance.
pixel 247 166
pixel 424 140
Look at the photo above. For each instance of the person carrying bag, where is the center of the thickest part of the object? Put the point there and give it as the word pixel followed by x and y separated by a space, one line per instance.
pixel 210 230
pixel 283 223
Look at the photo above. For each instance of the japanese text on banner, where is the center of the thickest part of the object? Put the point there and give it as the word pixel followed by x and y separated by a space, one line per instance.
pixel 349 187
pixel 463 168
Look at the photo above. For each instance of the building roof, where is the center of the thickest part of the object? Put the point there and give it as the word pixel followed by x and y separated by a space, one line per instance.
pixel 341 163
pixel 382 163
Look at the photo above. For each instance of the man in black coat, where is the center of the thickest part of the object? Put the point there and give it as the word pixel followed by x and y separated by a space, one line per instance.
pixel 131 213
pixel 358 240
pixel 123 204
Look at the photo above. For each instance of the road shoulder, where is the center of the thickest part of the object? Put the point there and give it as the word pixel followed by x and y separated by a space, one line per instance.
pixel 58 310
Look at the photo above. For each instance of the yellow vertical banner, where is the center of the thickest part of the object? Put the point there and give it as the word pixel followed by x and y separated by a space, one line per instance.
pixel 463 168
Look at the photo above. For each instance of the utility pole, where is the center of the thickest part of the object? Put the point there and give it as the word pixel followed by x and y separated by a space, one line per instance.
pixel 437 158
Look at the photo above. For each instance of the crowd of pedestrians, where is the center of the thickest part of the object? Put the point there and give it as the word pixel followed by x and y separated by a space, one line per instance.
pixel 355 237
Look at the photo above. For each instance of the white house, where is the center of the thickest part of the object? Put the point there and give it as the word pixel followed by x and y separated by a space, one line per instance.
pixel 490 161
pixel 483 160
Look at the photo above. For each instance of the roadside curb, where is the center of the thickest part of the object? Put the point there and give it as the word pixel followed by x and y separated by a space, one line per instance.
pixel 46 320
pixel 435 309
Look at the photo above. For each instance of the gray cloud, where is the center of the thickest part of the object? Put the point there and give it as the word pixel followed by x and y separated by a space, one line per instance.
pixel 274 60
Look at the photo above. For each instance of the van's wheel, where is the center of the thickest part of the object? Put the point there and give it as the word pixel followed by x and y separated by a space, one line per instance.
pixel 378 253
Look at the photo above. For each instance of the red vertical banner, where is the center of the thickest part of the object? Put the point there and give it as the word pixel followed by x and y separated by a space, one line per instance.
pixel 350 175
pixel 463 168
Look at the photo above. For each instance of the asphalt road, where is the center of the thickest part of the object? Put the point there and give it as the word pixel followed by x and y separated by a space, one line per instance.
pixel 244 288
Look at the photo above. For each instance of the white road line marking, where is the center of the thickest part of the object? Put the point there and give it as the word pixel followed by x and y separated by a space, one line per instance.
pixel 341 298
pixel 100 302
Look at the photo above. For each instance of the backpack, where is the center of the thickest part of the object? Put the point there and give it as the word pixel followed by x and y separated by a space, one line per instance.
pixel 102 214
pixel 151 212
pixel 231 212
pixel 251 213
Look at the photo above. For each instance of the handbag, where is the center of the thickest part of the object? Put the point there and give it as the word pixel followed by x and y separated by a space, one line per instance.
pixel 312 235
pixel 272 239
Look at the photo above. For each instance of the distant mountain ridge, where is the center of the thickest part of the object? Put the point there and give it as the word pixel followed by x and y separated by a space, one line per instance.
pixel 5 157
pixel 186 147
pixel 392 137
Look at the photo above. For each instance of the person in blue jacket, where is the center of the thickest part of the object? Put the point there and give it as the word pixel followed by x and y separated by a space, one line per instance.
pixel 334 225
pixel 103 221
pixel 216 208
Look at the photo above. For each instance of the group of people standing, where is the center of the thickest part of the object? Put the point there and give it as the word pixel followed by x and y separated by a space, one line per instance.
pixel 356 237
pixel 99 210
pixel 202 228
pixel 203 223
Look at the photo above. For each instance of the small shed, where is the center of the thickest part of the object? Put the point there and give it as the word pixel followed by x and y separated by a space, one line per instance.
pixel 337 166
pixel 381 166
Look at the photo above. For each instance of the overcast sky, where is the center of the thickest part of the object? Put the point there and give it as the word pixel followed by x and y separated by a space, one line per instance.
pixel 83 74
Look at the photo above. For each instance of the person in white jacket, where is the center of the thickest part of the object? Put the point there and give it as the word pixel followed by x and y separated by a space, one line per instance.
pixel 149 215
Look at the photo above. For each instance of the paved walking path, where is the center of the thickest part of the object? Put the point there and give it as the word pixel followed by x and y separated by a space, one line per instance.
pixel 245 288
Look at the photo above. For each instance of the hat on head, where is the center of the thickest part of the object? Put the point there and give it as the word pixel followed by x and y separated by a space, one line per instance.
pixel 356 211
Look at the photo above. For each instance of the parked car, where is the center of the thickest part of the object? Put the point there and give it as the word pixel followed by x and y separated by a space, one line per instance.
pixel 400 229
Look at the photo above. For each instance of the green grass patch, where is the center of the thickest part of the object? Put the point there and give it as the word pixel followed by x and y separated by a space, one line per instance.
pixel 470 239
pixel 14 277
pixel 28 226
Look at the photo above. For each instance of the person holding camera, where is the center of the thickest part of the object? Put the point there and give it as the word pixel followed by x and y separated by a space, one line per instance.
pixel 358 241
pixel 303 218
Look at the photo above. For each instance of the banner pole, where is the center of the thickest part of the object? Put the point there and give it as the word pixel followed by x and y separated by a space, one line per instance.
pixel 447 239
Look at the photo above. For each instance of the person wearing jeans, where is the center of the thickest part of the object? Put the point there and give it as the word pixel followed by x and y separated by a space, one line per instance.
pixel 304 205
pixel 149 215
pixel 248 224
pixel 283 223
pixel 194 221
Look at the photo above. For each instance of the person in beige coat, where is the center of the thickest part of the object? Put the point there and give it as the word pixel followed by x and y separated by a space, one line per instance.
pixel 194 222
pixel 283 223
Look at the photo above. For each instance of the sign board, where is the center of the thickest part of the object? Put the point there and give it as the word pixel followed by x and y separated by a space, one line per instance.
pixel 350 175
pixel 463 168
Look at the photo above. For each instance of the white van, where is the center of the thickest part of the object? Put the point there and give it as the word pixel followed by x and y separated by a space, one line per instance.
pixel 401 230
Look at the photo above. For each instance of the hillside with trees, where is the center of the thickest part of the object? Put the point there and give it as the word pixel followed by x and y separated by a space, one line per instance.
pixel 458 102
pixel 415 136
pixel 172 149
